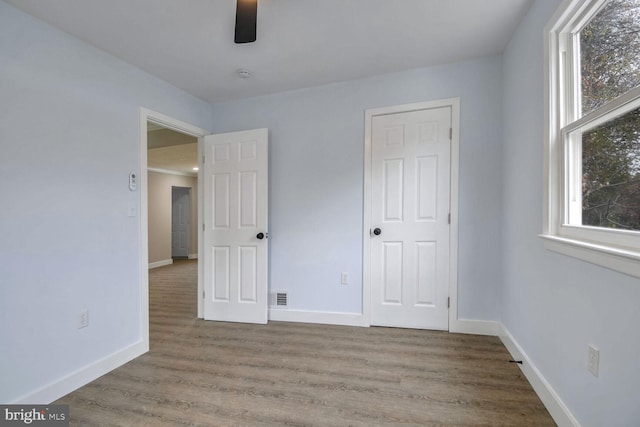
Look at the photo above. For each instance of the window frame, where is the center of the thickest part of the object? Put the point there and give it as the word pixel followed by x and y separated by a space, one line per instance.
pixel 615 249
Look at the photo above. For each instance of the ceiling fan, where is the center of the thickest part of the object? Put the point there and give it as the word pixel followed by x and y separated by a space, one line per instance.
pixel 246 18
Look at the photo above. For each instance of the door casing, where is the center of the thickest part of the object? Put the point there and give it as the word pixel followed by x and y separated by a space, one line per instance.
pixel 168 122
pixel 454 104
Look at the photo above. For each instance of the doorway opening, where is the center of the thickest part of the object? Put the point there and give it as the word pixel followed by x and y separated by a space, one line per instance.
pixel 172 176
pixel 170 157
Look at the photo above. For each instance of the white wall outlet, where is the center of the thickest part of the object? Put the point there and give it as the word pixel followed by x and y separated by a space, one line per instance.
pixel 344 278
pixel 83 319
pixel 593 360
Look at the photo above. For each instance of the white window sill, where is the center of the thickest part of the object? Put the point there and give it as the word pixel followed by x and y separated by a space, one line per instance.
pixel 622 260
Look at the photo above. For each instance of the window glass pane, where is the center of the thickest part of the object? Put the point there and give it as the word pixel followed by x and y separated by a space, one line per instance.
pixel 611 174
pixel 610 53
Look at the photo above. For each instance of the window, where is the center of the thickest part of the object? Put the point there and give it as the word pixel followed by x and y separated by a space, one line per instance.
pixel 593 142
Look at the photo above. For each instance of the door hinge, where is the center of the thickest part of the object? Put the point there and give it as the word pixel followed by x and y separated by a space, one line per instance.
pixel 448 302
pixel 449 218
pixel 203 160
pixel 450 133
pixel 203 294
pixel 203 226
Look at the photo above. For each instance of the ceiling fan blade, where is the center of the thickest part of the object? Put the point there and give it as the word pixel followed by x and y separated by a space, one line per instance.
pixel 246 18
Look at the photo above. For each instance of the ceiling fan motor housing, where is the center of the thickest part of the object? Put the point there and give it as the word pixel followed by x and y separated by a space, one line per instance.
pixel 246 19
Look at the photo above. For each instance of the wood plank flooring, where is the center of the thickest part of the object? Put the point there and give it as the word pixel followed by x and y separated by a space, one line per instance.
pixel 224 374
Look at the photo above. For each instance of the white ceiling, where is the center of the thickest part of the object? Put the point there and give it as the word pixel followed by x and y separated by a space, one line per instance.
pixel 177 158
pixel 301 43
pixel 168 150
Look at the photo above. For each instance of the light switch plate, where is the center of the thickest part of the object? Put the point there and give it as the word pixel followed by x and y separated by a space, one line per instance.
pixel 593 360
pixel 344 278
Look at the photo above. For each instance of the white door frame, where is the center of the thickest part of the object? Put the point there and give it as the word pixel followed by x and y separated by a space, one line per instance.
pixel 147 115
pixel 454 103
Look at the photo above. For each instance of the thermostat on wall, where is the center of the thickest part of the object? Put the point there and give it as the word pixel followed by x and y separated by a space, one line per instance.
pixel 133 181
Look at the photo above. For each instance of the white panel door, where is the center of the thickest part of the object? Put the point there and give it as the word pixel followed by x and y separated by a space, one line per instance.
pixel 235 221
pixel 410 184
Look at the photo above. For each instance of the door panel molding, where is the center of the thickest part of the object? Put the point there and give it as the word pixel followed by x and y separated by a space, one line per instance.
pixel 236 271
pixel 425 135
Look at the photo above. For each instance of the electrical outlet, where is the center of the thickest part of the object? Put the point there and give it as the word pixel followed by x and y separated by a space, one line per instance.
pixel 344 278
pixel 83 319
pixel 593 360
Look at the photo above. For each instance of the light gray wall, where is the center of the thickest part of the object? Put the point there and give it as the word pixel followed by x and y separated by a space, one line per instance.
pixel 69 137
pixel 316 139
pixel 554 305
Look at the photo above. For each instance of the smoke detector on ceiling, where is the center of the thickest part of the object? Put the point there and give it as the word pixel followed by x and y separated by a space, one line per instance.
pixel 243 73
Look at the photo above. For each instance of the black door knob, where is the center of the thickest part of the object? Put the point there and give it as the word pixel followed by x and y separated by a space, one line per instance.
pixel 377 231
pixel 260 236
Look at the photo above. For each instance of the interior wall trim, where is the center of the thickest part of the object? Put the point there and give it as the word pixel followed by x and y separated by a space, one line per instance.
pixel 170 172
pixel 160 263
pixel 73 381
pixel 551 400
pixel 475 327
pixel 320 317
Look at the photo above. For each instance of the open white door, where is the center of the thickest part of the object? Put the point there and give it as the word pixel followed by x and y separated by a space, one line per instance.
pixel 235 171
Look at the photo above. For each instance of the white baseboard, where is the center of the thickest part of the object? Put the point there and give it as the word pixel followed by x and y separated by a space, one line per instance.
pixel 321 317
pixel 193 256
pixel 475 327
pixel 556 407
pixel 59 388
pixel 558 410
pixel 160 263
pixel 463 326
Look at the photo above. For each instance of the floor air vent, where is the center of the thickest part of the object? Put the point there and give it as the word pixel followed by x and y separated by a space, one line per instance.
pixel 279 299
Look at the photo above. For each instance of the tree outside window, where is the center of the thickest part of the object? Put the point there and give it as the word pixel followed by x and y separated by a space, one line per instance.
pixel 610 67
